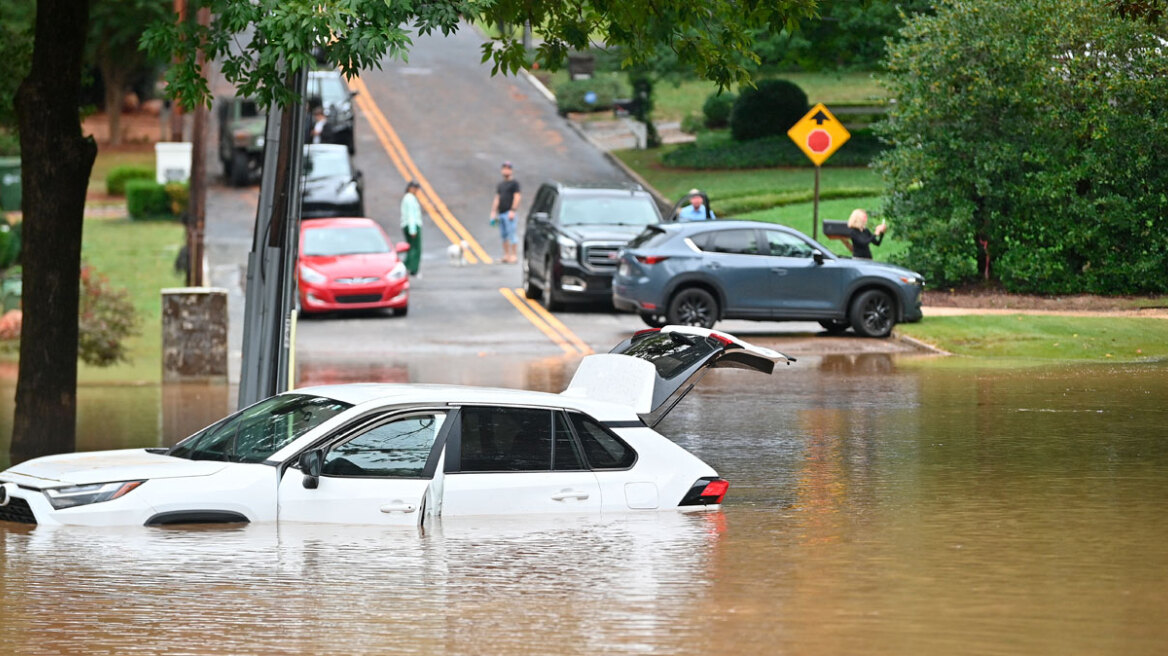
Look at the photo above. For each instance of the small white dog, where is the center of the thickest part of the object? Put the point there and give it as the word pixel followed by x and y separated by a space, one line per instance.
pixel 456 253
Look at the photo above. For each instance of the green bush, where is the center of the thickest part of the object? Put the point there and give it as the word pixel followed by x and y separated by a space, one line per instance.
pixel 9 244
pixel 769 109
pixel 570 95
pixel 722 153
pixel 107 318
pixel 692 124
pixel 146 199
pixel 717 109
pixel 115 180
pixel 1041 167
pixel 178 197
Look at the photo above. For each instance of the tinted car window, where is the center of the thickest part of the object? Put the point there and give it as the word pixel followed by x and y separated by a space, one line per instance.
pixel 331 90
pixel 258 431
pixel 787 245
pixel 344 241
pixel 603 449
pixel 506 439
pixel 671 353
pixel 565 455
pixel 327 163
pixel 623 210
pixel 739 242
pixel 399 448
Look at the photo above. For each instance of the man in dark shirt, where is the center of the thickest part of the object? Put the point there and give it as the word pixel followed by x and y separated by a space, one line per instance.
pixel 503 211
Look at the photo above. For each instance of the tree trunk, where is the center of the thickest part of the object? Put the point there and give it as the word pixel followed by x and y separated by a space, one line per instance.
pixel 55 168
pixel 114 77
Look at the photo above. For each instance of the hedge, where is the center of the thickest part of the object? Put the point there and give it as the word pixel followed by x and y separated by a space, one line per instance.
pixel 115 181
pixel 146 199
pixel 722 153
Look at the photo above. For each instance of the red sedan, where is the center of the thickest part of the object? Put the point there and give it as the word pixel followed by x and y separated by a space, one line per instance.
pixel 350 264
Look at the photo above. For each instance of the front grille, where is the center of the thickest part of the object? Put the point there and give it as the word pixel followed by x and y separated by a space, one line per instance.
pixel 359 298
pixel 602 257
pixel 17 510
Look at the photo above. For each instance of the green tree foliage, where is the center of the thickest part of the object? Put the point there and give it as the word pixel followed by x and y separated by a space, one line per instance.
pixel 1030 146
pixel 847 34
pixel 767 110
pixel 115 26
pixel 252 41
pixel 16 21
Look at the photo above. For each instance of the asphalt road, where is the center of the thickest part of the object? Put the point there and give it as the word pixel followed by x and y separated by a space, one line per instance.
pixel 443 119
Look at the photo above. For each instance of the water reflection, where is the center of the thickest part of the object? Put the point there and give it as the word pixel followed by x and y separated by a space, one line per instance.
pixel 877 506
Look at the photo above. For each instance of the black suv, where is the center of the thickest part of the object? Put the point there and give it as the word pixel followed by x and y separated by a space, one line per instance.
pixel 573 235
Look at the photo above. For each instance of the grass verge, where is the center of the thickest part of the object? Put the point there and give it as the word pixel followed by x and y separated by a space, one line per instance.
pixel 1033 339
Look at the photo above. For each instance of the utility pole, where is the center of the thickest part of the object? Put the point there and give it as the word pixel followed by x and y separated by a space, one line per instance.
pixel 269 300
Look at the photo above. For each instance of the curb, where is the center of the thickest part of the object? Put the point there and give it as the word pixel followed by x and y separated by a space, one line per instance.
pixel 636 177
pixel 920 345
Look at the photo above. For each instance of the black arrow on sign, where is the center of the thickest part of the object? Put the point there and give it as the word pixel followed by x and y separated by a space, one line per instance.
pixel 820 117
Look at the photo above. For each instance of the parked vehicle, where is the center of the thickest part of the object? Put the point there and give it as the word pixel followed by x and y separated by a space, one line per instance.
pixel 331 186
pixel 699 273
pixel 572 236
pixel 241 139
pixel 389 454
pixel 329 90
pixel 350 264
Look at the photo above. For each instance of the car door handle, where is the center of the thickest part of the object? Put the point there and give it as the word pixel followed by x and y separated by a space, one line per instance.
pixel 713 265
pixel 780 271
pixel 398 506
pixel 564 495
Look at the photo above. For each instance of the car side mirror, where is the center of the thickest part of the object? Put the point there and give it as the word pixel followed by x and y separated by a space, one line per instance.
pixel 311 463
pixel 817 255
pixel 401 247
pixel 353 93
pixel 358 176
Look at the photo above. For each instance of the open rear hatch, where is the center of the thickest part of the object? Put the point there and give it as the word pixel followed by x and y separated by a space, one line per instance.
pixel 654 369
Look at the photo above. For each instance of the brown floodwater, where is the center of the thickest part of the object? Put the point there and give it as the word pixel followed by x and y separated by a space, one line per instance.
pixel 878 505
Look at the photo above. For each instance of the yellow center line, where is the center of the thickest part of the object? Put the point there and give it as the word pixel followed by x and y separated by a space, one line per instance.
pixel 555 323
pixel 410 172
pixel 536 321
pixel 393 156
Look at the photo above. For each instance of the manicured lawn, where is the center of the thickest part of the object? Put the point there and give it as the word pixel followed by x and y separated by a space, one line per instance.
pixel 1021 338
pixel 138 256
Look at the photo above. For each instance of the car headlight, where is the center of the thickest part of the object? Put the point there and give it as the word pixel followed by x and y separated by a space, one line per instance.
pixel 567 249
pixel 396 273
pixel 82 495
pixel 312 275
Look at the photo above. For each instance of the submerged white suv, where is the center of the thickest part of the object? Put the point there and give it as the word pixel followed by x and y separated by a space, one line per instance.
pixel 407 454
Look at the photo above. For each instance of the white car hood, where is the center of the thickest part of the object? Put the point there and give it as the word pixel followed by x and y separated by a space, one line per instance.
pixel 106 467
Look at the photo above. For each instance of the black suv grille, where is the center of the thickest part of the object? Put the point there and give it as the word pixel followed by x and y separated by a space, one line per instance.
pixel 17 510
pixel 602 256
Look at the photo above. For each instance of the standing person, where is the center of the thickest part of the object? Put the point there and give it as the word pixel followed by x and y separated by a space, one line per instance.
pixel 503 210
pixel 411 224
pixel 318 125
pixel 696 210
pixel 861 236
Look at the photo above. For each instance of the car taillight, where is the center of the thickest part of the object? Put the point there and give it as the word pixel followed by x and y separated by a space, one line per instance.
pixel 651 259
pixel 645 331
pixel 707 491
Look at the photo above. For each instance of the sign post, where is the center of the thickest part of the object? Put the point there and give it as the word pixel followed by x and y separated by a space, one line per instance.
pixel 818 135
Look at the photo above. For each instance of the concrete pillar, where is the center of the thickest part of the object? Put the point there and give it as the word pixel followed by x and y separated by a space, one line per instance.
pixel 194 334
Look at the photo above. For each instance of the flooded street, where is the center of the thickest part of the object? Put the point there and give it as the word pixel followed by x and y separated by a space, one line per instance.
pixel 879 504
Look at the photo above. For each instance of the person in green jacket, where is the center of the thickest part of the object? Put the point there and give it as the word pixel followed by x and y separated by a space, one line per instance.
pixel 411 223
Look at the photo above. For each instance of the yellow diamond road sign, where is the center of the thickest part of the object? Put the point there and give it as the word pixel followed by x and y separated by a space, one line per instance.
pixel 818 134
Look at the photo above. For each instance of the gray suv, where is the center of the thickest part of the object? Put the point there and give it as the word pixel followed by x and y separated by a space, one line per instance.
pixel 698 273
pixel 572 237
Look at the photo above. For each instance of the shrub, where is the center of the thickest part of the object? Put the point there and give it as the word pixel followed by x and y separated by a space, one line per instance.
pixel 570 96
pixel 178 195
pixel 106 319
pixel 116 179
pixel 692 124
pixel 146 199
pixel 768 152
pixel 9 244
pixel 1041 167
pixel 717 109
pixel 769 109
